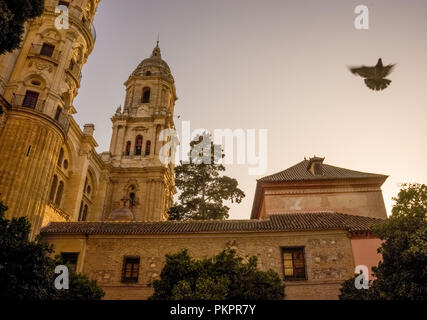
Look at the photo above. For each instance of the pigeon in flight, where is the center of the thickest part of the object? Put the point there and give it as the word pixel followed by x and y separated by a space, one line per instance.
pixel 375 77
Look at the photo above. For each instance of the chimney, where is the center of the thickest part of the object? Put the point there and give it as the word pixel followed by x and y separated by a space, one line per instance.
pixel 315 166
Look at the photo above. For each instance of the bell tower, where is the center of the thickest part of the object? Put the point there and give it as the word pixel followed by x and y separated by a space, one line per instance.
pixel 138 174
pixel 39 81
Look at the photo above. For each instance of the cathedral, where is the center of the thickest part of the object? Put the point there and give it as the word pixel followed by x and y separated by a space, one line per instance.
pixel 106 213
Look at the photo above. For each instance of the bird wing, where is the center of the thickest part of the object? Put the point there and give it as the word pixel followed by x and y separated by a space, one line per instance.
pixel 387 70
pixel 364 72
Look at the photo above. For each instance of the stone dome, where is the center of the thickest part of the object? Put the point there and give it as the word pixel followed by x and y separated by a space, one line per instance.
pixel 153 66
pixel 121 214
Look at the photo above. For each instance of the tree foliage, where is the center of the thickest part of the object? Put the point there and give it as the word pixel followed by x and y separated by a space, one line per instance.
pixel 203 189
pixel 402 273
pixel 27 272
pixel 13 14
pixel 222 277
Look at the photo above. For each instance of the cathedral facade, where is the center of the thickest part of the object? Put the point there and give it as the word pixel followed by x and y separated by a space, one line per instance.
pixel 49 169
pixel 106 212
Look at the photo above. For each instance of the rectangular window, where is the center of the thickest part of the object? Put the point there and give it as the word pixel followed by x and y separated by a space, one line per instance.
pixel 130 270
pixel 70 258
pixel 47 50
pixel 63 3
pixel 30 99
pixel 294 263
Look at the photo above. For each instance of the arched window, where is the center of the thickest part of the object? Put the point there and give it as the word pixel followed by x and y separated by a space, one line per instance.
pixel 138 145
pixel 81 211
pixel 53 187
pixel 58 113
pixel 60 158
pixel 146 95
pixel 132 199
pixel 59 194
pixel 85 212
pixel 148 148
pixel 128 146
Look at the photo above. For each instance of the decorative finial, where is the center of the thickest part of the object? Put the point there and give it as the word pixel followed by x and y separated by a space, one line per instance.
pixel 156 50
pixel 158 38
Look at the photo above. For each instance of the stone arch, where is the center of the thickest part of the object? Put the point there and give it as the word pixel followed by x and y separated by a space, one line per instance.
pixel 68 155
pixel 130 191
pixel 59 194
pixel 31 77
pixel 72 154
pixel 93 178
pixel 53 187
pixel 51 35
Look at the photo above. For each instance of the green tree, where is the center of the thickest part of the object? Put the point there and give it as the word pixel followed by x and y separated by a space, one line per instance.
pixel 27 272
pixel 348 291
pixel 402 273
pixel 203 188
pixel 225 276
pixel 13 14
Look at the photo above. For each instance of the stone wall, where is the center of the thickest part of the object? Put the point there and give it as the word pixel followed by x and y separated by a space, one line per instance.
pixel 343 197
pixel 328 255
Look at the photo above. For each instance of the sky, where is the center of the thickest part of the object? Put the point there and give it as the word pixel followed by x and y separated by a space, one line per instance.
pixel 280 65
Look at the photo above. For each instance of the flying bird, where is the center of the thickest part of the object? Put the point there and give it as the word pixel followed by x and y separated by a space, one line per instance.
pixel 375 77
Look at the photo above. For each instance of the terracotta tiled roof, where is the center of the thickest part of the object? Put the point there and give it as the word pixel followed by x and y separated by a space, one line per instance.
pixel 299 172
pixel 276 223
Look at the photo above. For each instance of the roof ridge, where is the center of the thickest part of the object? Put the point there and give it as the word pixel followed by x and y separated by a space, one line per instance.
pixel 300 172
pixel 274 223
pixel 291 167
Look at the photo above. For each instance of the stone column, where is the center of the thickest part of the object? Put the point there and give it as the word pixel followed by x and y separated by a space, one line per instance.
pixel 29 150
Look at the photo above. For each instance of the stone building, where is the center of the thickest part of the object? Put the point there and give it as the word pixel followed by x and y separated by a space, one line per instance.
pixel 106 212
pixel 48 158
pixel 313 185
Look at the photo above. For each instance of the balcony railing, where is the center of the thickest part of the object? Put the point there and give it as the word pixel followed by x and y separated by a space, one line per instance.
pixel 37 50
pixel 75 72
pixel 19 102
pixel 89 26
pixel 59 211
pixel 63 121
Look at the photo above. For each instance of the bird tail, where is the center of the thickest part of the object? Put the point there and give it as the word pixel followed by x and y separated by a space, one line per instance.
pixel 377 84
